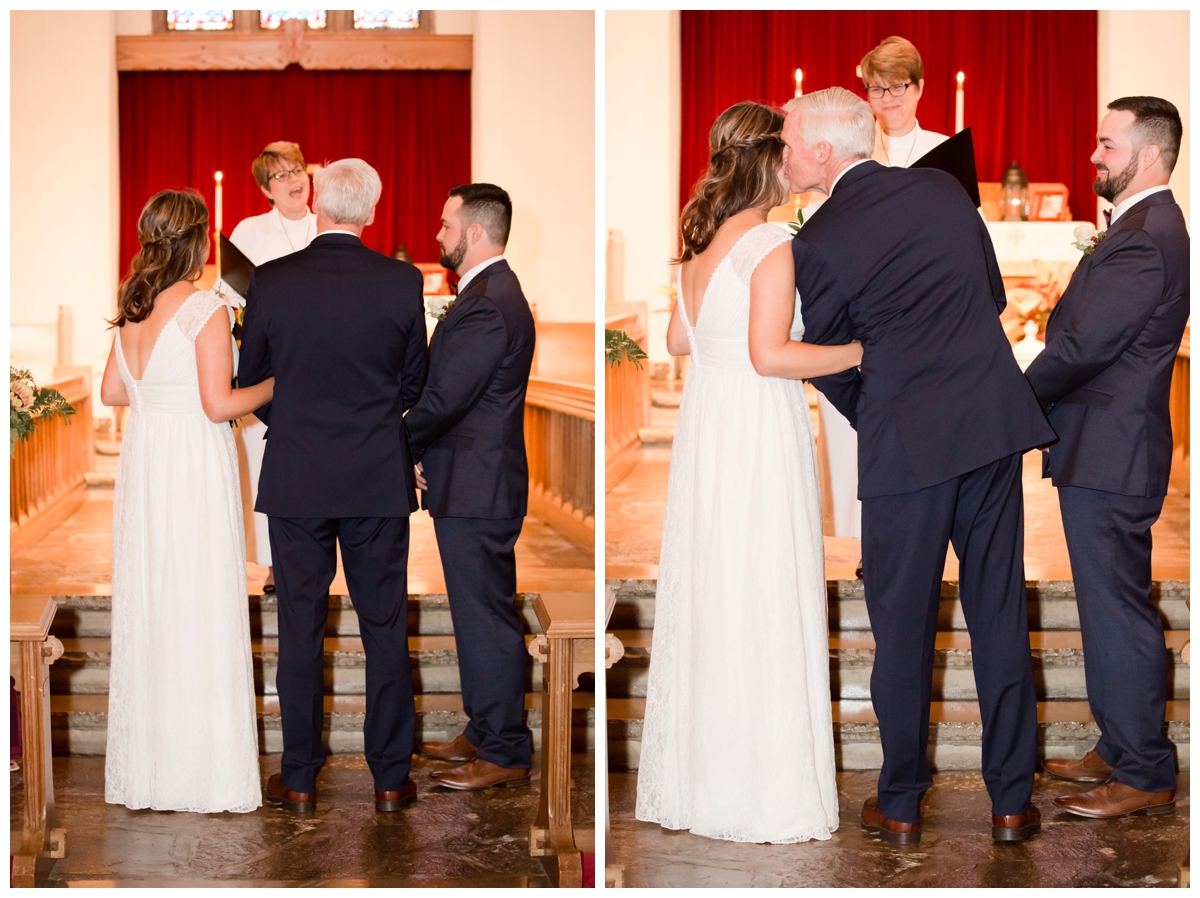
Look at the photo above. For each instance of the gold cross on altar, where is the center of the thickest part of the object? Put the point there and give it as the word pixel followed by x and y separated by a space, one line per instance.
pixel 1016 236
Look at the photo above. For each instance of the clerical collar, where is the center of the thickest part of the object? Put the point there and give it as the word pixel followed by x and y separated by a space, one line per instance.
pixel 470 275
pixel 1126 204
pixel 843 171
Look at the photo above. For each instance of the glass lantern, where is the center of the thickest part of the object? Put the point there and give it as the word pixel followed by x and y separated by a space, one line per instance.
pixel 1014 194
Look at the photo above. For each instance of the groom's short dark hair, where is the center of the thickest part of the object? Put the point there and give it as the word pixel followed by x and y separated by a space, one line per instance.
pixel 488 205
pixel 1155 121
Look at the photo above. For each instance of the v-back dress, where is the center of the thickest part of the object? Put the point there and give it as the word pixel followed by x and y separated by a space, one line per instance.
pixel 737 741
pixel 182 728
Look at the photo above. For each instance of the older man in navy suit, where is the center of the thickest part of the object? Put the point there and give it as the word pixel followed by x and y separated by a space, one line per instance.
pixel 342 329
pixel 468 436
pixel 1105 378
pixel 900 259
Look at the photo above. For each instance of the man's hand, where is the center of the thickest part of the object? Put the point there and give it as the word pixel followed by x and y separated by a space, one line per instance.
pixel 418 470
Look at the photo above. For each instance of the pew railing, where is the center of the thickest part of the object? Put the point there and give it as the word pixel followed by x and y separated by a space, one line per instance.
pixel 626 403
pixel 560 443
pixel 1181 423
pixel 47 470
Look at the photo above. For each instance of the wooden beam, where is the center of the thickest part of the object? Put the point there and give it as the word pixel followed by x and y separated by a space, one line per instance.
pixel 274 50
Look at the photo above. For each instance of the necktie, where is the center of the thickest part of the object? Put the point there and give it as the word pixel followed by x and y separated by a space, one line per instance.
pixel 1108 217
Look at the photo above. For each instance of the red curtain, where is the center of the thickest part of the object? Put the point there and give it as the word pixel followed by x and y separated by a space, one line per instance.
pixel 1030 79
pixel 414 127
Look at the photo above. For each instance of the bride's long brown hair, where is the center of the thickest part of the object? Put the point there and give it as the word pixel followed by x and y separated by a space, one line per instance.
pixel 745 152
pixel 173 232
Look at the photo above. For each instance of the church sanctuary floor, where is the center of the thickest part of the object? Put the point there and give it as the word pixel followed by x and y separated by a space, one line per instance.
pixel 467 839
pixel 76 557
pixel 956 848
pixel 635 506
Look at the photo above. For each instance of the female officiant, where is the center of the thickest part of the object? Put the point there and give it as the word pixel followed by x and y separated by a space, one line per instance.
pixel 893 78
pixel 289 226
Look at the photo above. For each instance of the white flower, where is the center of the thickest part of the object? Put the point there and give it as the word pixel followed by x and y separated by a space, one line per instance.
pixel 1086 238
pixel 437 306
pixel 20 395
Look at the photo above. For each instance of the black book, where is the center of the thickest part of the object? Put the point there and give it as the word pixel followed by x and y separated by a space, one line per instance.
pixel 956 155
pixel 235 267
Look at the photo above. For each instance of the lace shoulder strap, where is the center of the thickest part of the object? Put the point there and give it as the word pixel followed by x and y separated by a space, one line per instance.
pixel 754 247
pixel 195 312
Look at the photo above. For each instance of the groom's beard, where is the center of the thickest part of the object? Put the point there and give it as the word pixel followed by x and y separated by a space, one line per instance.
pixel 453 259
pixel 1112 186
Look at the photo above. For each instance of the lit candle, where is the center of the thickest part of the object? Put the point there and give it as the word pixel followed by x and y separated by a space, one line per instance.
pixel 958 104
pixel 218 177
pixel 799 83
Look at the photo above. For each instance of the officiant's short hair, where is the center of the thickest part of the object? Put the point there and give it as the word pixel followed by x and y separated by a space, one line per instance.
pixel 1155 121
pixel 275 154
pixel 839 118
pixel 488 205
pixel 895 59
pixel 346 191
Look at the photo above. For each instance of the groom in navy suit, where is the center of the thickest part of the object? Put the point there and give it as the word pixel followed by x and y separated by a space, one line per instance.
pixel 342 329
pixel 468 435
pixel 900 259
pixel 1105 380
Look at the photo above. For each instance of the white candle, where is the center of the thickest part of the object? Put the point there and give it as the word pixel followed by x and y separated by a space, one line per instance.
pixel 217 221
pixel 799 83
pixel 958 104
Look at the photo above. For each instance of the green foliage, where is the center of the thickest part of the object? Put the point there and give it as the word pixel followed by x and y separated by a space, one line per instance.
pixel 27 403
pixel 619 346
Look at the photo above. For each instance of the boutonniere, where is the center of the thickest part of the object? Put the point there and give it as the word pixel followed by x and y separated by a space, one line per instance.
pixel 439 306
pixel 1087 238
pixel 795 226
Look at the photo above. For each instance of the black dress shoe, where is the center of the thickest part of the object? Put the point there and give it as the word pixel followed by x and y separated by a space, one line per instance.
pixel 397 799
pixel 1016 827
pixel 296 802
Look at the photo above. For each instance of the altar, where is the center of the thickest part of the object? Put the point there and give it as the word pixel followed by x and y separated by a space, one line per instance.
pixel 1019 244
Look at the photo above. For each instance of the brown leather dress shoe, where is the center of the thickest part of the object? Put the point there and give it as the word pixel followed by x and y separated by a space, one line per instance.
pixel 296 802
pixel 1115 799
pixel 460 749
pixel 397 799
pixel 480 774
pixel 887 829
pixel 1016 827
pixel 1091 768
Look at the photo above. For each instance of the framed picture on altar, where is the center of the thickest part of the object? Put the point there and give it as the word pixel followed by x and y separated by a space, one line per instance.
pixel 1048 202
pixel 436 281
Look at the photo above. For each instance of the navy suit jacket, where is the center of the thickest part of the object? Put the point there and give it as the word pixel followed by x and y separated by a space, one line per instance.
pixel 342 329
pixel 1105 375
pixel 468 428
pixel 901 260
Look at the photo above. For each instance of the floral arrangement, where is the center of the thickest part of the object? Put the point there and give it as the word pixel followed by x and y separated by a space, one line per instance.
pixel 439 306
pixel 619 346
pixel 795 226
pixel 1087 238
pixel 27 402
pixel 1034 298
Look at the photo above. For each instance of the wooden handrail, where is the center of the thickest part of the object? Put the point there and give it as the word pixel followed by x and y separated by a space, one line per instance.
pixel 578 400
pixel 1181 415
pixel 560 444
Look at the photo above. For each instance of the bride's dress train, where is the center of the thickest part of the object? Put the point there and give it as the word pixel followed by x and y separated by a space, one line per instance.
pixel 738 735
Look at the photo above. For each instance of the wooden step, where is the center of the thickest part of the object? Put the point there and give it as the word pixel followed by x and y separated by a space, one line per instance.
pixel 84 666
pixel 1065 730
pixel 1057 655
pixel 1051 605
pixel 79 723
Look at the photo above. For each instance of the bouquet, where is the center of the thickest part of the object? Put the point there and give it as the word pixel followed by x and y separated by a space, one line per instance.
pixel 27 403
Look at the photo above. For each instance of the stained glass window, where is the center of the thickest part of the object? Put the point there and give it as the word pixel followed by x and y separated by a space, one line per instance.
pixel 199 20
pixel 271 18
pixel 387 18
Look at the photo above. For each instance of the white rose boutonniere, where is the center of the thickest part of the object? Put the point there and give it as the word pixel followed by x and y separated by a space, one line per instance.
pixel 1087 238
pixel 438 306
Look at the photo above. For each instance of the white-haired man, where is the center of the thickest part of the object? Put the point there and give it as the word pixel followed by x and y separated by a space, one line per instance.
pixel 900 259
pixel 342 329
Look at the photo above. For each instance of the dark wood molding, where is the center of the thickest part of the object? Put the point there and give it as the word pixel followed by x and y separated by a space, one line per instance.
pixel 246 49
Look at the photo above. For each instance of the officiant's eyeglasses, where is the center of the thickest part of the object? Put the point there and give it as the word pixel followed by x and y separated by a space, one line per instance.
pixel 896 90
pixel 284 175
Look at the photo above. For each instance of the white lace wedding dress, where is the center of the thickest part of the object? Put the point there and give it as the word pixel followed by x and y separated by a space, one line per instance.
pixel 182 729
pixel 738 736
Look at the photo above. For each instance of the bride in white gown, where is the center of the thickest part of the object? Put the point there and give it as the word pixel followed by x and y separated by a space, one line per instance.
pixel 182 729
pixel 738 736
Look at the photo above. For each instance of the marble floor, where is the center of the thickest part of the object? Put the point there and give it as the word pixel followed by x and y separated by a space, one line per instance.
pixel 635 507
pixel 956 849
pixel 465 839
